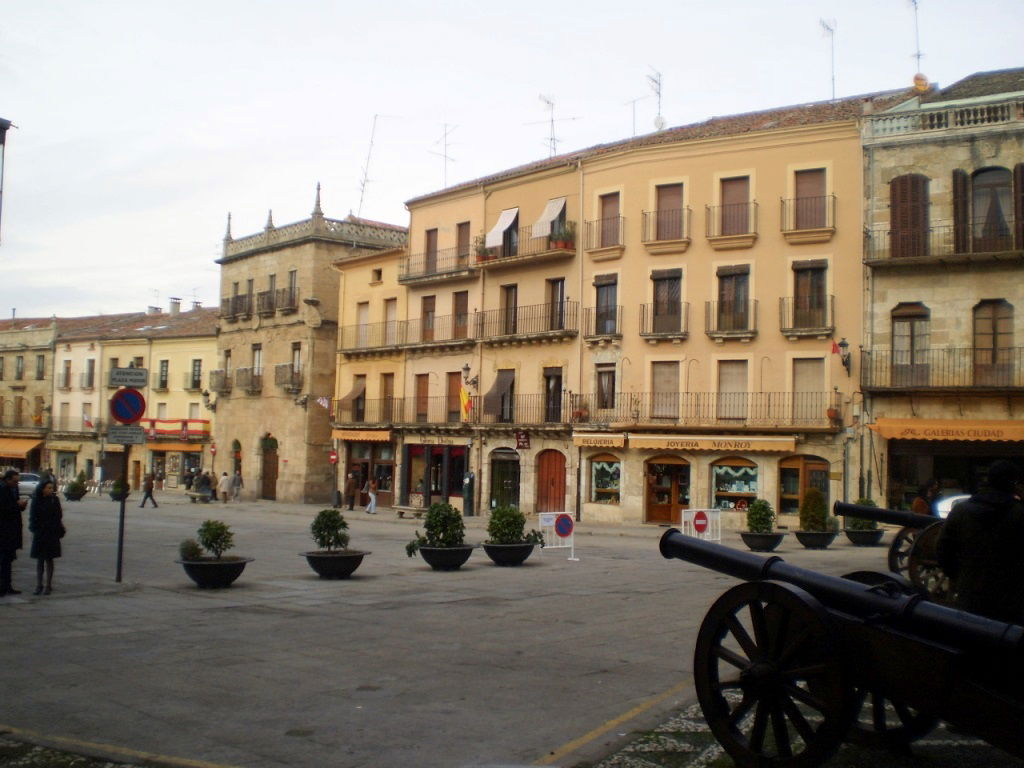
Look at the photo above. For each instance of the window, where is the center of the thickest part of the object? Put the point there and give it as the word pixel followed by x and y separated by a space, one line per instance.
pixel 734 481
pixel 359 401
pixel 454 399
pixel 227 359
pixel 462 241
pixel 391 321
pixel 163 374
pixel 796 475
pixel 19 367
pixel 667 308
pixel 387 396
pixel 552 395
pixel 65 378
pixel 193 411
pixel 90 373
pixel 809 298
pixel 271 282
pixel 40 368
pixel 87 422
pixel 427 309
pixel 810 205
pixel 138 362
pixel 665 390
pixel 605 385
pixel 362 324
pixel 908 215
pixel 460 314
pixel 605 475
pixel 809 398
pixel 422 396
pixel 992 209
pixel 610 221
pixel 734 298
pixel 430 251
pixel 606 311
pixel 2 368
pixel 296 358
pixel 732 389
pixel 499 402
pixel 257 359
pixel 510 308
pixel 293 284
pixel 910 329
pixel 161 410
pixel 234 289
pixel 376 275
pixel 556 304
pixel 669 220
pixel 735 208
pixel 993 343
pixel 196 375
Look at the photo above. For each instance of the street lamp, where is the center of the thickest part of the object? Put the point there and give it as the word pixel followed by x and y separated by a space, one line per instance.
pixel 844 354
pixel 4 125
pixel 472 382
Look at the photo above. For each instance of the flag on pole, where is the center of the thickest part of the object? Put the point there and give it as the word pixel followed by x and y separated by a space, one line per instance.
pixel 324 402
pixel 465 403
pixel 86 421
pixel 835 347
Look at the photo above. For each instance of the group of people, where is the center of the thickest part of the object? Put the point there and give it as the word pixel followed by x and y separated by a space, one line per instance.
pixel 352 486
pixel 45 523
pixel 226 487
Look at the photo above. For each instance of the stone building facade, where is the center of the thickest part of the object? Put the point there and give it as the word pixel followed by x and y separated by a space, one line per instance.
pixel 26 389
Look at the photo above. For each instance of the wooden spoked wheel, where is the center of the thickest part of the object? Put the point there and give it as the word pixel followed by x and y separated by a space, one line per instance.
pixel 769 682
pixel 924 570
pixel 899 550
pixel 882 722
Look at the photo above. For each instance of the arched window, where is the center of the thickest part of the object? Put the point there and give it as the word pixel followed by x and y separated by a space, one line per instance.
pixel 993 343
pixel 734 482
pixel 992 210
pixel 910 329
pixel 908 215
pixel 605 476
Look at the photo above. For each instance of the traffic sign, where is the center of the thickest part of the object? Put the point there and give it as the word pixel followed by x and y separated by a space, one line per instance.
pixel 129 377
pixel 128 434
pixel 127 405
pixel 213 449
pixel 333 456
pixel 563 525
pixel 700 521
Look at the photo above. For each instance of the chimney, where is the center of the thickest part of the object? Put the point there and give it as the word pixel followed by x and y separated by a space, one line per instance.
pixel 175 305
pixel 151 310
pixel 196 304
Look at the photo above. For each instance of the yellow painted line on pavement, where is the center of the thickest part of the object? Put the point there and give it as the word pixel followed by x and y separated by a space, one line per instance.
pixel 575 744
pixel 110 749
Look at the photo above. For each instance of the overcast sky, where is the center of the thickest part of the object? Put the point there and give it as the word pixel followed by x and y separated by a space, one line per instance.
pixel 142 123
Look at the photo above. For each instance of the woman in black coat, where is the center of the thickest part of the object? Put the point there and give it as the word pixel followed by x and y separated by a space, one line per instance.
pixel 45 521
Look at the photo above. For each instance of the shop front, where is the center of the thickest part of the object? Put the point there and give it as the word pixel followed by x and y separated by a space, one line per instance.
pixel 169 461
pixel 434 471
pixel 368 453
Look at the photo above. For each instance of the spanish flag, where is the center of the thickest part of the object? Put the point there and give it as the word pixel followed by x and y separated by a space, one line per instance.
pixel 465 403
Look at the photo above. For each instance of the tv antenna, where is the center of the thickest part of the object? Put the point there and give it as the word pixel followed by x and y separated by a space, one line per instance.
pixel 445 157
pixel 365 181
pixel 552 141
pixel 829 27
pixel 917 37
pixel 632 103
pixel 655 82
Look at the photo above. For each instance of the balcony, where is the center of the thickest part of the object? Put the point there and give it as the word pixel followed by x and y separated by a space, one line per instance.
pixel 958 370
pixel 450 331
pixel 34 422
pixel 87 381
pixel 227 310
pixel 286 300
pixel 802 316
pixel 435 266
pixel 249 379
pixel 553 321
pixel 712 410
pixel 176 429
pixel 666 231
pixel 81 425
pixel 602 323
pixel 442 410
pixel 265 303
pixel 895 124
pixel 236 307
pixel 360 410
pixel 808 219
pixel 731 226
pixel 191 382
pixel 735 320
pixel 288 376
pixel 664 321
pixel 221 381
pixel 525 248
pixel 606 238
pixel 64 380
pixel 371 336
pixel 944 243
pixel 160 383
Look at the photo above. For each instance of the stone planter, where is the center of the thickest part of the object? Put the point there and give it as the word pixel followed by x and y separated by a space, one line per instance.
pixel 335 565
pixel 446 558
pixel 816 539
pixel 864 537
pixel 508 554
pixel 213 573
pixel 69 496
pixel 762 542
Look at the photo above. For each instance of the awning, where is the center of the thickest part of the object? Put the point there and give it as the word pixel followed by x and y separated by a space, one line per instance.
pixel 500 391
pixel 542 227
pixel 187 447
pixel 948 429
pixel 18 447
pixel 598 440
pixel 495 236
pixel 713 443
pixel 362 435
pixel 358 388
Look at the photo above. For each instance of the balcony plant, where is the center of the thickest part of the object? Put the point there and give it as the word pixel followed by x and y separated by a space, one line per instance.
pixel 569 235
pixel 76 489
pixel 333 559
pixel 443 544
pixel 815 530
pixel 761 535
pixel 507 542
pixel 212 570
pixel 861 532
pixel 483 253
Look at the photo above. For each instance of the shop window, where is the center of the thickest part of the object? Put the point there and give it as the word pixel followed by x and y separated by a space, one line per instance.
pixel 796 475
pixel 734 482
pixel 605 474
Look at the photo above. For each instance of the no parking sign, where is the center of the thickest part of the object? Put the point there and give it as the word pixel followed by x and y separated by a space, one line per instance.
pixel 557 529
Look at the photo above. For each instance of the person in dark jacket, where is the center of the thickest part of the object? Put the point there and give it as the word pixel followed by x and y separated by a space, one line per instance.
pixel 147 490
pixel 10 529
pixel 351 484
pixel 46 521
pixel 979 548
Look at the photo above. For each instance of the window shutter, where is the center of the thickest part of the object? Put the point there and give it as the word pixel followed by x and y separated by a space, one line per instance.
pixel 1018 205
pixel 908 203
pixel 961 217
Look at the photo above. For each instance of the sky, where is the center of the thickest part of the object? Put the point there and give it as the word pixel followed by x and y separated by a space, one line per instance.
pixel 141 124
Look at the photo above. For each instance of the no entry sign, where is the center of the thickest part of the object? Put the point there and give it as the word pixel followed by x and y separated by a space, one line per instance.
pixel 333 456
pixel 127 406
pixel 700 521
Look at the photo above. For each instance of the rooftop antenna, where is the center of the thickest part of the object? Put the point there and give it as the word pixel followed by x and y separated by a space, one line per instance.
pixel 917 37
pixel 445 157
pixel 632 102
pixel 552 141
pixel 655 82
pixel 829 28
pixel 364 182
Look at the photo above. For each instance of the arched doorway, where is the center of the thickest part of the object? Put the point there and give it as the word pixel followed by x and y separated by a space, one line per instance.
pixel 236 456
pixel 268 481
pixel 668 489
pixel 504 478
pixel 550 481
pixel 796 475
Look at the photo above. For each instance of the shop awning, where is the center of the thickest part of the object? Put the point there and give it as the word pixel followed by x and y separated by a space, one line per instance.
pixel 948 429
pixel 187 447
pixel 494 237
pixel 18 447
pixel 542 227
pixel 599 439
pixel 713 443
pixel 362 435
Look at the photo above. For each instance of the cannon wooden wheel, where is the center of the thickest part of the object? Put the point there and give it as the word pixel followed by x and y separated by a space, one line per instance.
pixel 924 570
pixel 899 550
pixel 768 679
pixel 882 722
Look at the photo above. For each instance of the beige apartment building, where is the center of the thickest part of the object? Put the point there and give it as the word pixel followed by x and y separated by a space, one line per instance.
pixel 26 389
pixel 942 371
pixel 277 351
pixel 624 332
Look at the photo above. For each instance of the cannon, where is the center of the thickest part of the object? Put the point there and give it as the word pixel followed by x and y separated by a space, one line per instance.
pixel 793 661
pixel 913 549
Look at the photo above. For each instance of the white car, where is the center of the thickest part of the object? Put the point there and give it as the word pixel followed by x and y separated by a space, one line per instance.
pixel 27 482
pixel 945 505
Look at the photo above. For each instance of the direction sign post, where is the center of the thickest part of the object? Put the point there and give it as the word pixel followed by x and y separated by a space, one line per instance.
pixel 127 407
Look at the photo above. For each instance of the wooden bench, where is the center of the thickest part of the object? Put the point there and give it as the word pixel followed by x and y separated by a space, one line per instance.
pixel 198 496
pixel 416 512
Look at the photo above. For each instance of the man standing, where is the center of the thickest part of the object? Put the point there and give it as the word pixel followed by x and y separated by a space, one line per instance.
pixel 224 487
pixel 236 484
pixel 10 529
pixel 350 490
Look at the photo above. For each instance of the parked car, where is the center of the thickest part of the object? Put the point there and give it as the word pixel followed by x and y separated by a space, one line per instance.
pixel 27 483
pixel 945 505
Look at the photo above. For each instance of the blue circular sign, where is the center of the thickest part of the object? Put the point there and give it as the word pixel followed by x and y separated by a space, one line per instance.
pixel 127 406
pixel 563 525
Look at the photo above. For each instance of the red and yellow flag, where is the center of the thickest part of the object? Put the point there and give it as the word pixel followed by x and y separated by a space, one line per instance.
pixel 465 403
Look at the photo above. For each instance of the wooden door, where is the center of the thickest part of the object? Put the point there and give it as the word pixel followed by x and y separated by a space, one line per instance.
pixel 454 404
pixel 610 220
pixel 808 391
pixel 387 397
pixel 810 199
pixel 427 306
pixel 732 389
pixel 510 307
pixel 422 396
pixel 269 478
pixel 505 482
pixel 908 212
pixel 430 252
pixel 669 220
pixel 735 206
pixel 460 314
pixel 668 491
pixel 550 481
pixel 665 383
pixel 462 242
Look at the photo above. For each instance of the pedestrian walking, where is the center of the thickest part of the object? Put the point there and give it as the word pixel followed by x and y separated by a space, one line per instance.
pixel 147 490
pixel 10 529
pixel 350 491
pixel 46 522
pixel 236 484
pixel 224 487
pixel 189 478
pixel 371 490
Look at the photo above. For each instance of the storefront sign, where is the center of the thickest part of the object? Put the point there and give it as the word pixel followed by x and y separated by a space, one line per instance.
pixel 948 429
pixel 363 435
pixel 713 443
pixel 438 440
pixel 522 441
pixel 598 440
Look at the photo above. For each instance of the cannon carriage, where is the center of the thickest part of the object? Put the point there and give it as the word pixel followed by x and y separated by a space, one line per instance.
pixel 791 662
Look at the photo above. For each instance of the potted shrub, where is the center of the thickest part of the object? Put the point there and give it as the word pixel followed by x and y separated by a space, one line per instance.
pixel 443 545
pixel 118 490
pixel 761 535
pixel 569 235
pixel 211 571
pixel 507 543
pixel 483 253
pixel 75 490
pixel 333 559
pixel 815 531
pixel 861 532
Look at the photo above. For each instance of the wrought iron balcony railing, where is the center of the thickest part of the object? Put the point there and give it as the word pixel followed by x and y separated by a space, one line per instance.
pixel 484 409
pixel 434 263
pixel 806 314
pixel 944 239
pixel 241 305
pixel 249 379
pixel 731 219
pixel 962 369
pixel 25 420
pixel 288 376
pixel 191 382
pixel 602 321
pixel 665 318
pixel 221 381
pixel 730 317
pixel 79 424
pixel 437 329
pixel 265 304
pixel 561 242
pixel 800 213
pixel 606 233
pixel 373 335
pixel 560 317
pixel 286 299
pixel 662 226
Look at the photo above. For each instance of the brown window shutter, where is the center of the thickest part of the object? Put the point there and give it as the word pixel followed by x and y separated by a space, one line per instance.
pixel 666 274
pixel 606 279
pixel 737 269
pixel 810 264
pixel 1018 205
pixel 961 219
pixel 908 202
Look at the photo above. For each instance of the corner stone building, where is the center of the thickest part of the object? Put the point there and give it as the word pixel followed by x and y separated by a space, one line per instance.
pixel 277 337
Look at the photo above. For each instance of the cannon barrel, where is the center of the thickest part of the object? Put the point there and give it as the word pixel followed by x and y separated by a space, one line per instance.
pixel 881 515
pixel 907 612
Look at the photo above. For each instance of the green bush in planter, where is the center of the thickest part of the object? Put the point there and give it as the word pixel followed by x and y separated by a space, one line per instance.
pixel 215 537
pixel 814 511
pixel 507 525
pixel 76 488
pixel 443 526
pixel 328 530
pixel 189 549
pixel 859 523
pixel 760 516
pixel 118 489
